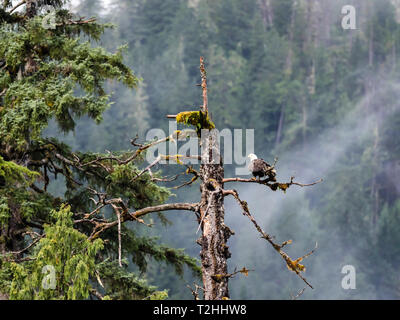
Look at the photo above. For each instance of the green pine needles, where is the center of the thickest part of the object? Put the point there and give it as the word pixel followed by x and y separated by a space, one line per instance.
pixel 67 81
pixel 53 201
pixel 64 255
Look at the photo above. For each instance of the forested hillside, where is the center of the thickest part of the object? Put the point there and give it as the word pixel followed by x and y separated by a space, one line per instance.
pixel 322 99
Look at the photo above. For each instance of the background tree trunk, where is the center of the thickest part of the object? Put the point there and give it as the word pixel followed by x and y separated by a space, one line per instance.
pixel 266 12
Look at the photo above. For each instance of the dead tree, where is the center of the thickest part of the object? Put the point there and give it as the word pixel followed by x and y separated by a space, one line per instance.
pixel 209 210
pixel 215 234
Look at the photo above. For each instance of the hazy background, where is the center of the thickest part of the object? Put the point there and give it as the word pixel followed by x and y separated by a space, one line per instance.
pixel 322 99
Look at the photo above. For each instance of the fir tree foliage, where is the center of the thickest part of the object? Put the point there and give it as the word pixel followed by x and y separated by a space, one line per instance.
pixel 55 76
pixel 70 256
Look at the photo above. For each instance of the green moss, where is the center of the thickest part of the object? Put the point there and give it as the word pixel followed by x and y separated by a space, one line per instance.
pixel 15 173
pixel 198 119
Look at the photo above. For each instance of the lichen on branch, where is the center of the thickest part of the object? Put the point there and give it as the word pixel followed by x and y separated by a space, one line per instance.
pixel 199 119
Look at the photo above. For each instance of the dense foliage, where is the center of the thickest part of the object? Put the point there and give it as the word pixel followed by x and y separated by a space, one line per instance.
pixel 56 75
pixel 321 98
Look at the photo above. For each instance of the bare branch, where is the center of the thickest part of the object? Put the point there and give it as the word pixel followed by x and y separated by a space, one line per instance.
pixel 165 179
pixel 95 211
pixel 177 158
pixel 194 179
pixel 219 277
pixel 96 294
pixel 204 85
pixel 195 292
pixel 17 6
pixel 293 265
pixel 148 168
pixel 196 176
pixel 36 240
pixel 126 216
pixel 118 213
pixel 273 186
pixel 141 148
pixel 304 185
pixel 205 212
pixel 76 22
pixel 298 294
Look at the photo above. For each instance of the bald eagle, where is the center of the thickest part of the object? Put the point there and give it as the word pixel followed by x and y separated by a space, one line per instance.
pixel 260 168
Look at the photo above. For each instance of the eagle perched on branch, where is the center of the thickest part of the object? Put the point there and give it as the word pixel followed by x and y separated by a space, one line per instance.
pixel 260 168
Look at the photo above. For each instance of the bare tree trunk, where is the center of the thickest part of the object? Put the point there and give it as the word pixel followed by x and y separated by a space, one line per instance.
pixel 370 104
pixel 370 92
pixel 370 13
pixel 311 42
pixel 31 8
pixel 288 72
pixel 289 58
pixel 280 126
pixel 304 119
pixel 394 60
pixel 214 251
pixel 374 184
pixel 266 12
pixel 371 47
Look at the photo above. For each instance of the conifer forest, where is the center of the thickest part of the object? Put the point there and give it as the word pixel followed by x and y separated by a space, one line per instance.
pixel 199 149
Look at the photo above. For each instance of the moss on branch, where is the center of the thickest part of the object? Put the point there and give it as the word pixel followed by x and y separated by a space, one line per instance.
pixel 198 119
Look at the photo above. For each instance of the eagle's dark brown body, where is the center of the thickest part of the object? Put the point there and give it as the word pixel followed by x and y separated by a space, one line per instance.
pixel 260 168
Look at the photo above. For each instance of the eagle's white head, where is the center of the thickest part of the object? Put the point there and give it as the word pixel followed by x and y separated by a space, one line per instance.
pixel 252 156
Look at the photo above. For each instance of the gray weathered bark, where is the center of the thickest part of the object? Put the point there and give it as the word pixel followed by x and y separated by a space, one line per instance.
pixel 11 233
pixel 214 251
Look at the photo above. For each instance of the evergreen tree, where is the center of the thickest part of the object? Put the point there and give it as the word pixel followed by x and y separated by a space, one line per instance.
pixel 283 67
pixel 48 73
